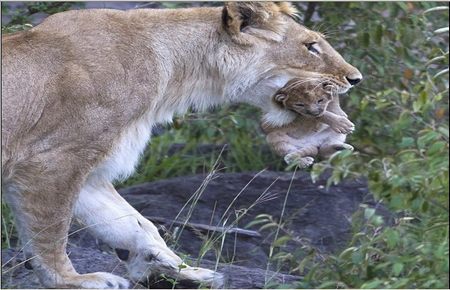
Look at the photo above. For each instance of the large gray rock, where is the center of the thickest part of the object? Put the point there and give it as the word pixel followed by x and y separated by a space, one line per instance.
pixel 312 212
pixel 313 215
pixel 87 260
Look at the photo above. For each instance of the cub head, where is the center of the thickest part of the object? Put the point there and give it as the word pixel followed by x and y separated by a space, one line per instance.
pixel 281 50
pixel 309 99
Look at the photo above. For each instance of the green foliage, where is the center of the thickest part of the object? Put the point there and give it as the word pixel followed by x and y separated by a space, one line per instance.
pixel 401 116
pixel 228 129
pixel 20 17
pixel 411 254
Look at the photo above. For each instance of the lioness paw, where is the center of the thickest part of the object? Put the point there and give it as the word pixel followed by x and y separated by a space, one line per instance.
pixel 204 277
pixel 149 265
pixel 101 280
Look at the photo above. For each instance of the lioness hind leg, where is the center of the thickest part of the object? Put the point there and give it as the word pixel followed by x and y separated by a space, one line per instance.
pixel 41 201
pixel 136 240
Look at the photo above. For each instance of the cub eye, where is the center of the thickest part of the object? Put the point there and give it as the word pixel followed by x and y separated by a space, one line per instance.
pixel 312 47
pixel 299 105
pixel 320 101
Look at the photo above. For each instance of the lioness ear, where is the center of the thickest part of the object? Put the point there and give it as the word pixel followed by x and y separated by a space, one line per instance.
pixel 262 19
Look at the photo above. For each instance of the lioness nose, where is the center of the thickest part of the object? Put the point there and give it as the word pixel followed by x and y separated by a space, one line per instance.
pixel 353 81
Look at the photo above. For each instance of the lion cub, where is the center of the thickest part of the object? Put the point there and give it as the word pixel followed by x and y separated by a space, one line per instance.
pixel 316 131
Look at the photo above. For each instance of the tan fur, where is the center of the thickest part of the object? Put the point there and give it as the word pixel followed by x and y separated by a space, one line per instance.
pixel 308 136
pixel 82 91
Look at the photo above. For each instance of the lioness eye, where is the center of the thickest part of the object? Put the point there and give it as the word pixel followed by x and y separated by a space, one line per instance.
pixel 300 105
pixel 312 47
pixel 320 101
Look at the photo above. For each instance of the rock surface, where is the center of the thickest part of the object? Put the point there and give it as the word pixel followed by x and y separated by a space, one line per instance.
pixel 86 260
pixel 312 214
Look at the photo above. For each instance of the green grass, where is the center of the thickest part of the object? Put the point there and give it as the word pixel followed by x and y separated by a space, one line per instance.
pixel 229 130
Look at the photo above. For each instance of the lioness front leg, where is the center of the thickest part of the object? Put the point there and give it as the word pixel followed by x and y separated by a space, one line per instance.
pixel 42 208
pixel 136 240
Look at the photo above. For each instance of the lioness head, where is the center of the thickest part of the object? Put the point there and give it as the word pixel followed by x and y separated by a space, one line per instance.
pixel 290 50
pixel 308 99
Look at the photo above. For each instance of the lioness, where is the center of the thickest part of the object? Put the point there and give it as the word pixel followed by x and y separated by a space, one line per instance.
pixel 82 91
pixel 316 131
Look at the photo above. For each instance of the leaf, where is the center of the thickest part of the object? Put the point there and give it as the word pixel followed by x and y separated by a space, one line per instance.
pixel 256 222
pixel 302 265
pixel 372 284
pixel 369 212
pixel 397 268
pixel 347 251
pixel 401 283
pixel 441 30
pixel 437 147
pixel 392 238
pixel 416 106
pixel 366 39
pixel 357 257
pixel 263 215
pixel 328 285
pixel 442 72
pixel 379 34
pixel 396 202
pixel 268 226
pixel 406 142
pixel 444 131
pixel 427 138
pixel 436 59
pixel 438 8
pixel 282 241
pixel 378 220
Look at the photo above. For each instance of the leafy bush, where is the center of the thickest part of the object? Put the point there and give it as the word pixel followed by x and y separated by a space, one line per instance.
pixel 20 16
pixel 401 116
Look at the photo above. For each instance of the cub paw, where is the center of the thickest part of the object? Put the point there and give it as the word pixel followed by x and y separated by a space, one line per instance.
pixel 302 162
pixel 305 162
pixel 291 158
pixel 343 125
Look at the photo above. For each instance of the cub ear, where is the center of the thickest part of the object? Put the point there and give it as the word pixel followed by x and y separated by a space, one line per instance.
pixel 280 98
pixel 330 90
pixel 262 19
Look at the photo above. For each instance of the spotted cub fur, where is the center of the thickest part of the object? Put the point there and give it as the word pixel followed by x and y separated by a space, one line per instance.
pixel 317 131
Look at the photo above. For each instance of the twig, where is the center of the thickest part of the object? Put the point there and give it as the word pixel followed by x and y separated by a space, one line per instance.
pixel 203 227
pixel 309 12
